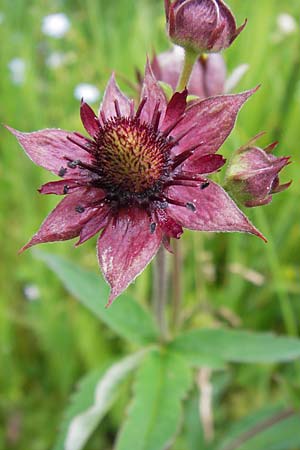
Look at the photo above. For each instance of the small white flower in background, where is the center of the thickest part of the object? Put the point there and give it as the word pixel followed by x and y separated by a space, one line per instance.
pixel 17 68
pixel 88 92
pixel 56 25
pixel 56 60
pixel 286 24
pixel 31 292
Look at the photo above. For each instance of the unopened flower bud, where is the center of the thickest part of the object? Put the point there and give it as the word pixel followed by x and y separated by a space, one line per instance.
pixel 252 176
pixel 201 25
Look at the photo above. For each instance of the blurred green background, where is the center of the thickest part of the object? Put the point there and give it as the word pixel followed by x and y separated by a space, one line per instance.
pixel 48 340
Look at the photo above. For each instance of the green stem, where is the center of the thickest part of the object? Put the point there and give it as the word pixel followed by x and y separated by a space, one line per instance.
pixel 160 292
pixel 189 60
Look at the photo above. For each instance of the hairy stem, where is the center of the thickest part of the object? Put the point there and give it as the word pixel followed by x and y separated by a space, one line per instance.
pixel 160 292
pixel 189 60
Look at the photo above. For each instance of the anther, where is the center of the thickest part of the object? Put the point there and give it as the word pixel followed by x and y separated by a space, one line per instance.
pixel 62 172
pixel 182 135
pixel 79 144
pixel 80 209
pixel 102 115
pixel 152 227
pixel 173 125
pixel 73 164
pixel 156 116
pixel 66 189
pixel 191 206
pixel 141 106
pixel 179 159
pixel 204 185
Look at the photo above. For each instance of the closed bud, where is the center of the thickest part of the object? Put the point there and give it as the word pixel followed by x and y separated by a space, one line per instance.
pixel 252 176
pixel 201 25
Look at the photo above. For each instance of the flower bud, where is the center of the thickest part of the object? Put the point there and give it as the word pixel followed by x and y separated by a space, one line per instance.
pixel 252 175
pixel 201 25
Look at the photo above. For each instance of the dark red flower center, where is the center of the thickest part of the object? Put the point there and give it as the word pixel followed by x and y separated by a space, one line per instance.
pixel 131 155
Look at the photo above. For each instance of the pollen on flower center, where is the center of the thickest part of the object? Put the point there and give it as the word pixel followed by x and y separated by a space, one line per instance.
pixel 131 155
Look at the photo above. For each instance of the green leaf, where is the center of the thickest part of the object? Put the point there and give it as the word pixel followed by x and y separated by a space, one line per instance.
pixel 234 346
pixel 155 413
pixel 89 404
pixel 126 317
pixel 272 431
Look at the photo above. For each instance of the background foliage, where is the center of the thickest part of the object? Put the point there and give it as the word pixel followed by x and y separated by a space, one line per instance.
pixel 233 280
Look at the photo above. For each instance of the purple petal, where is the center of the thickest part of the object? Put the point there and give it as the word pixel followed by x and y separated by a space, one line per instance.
pixel 214 75
pixel 60 187
pixel 113 94
pixel 175 109
pixel 95 224
pixel 125 248
pixel 69 216
pixel 203 164
pixel 89 119
pixel 51 149
pixel 214 210
pixel 154 94
pixel 167 66
pixel 168 225
pixel 210 122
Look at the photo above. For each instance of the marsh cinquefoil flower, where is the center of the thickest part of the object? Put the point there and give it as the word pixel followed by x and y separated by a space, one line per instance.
pixel 201 25
pixel 140 177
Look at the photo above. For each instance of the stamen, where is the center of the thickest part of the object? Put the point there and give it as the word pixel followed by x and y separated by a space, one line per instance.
pixel 132 108
pixel 182 135
pixel 66 189
pixel 73 164
pixel 188 205
pixel 78 163
pixel 190 177
pixel 84 137
pixel 204 185
pixel 62 171
pixel 78 144
pixel 80 209
pixel 179 159
pixel 102 115
pixel 152 227
pixel 191 206
pixel 140 108
pixel 156 116
pixel 117 108
pixel 176 182
pixel 171 127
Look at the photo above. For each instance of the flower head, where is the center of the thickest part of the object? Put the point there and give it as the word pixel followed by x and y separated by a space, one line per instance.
pixel 201 25
pixel 140 176
pixel 252 175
